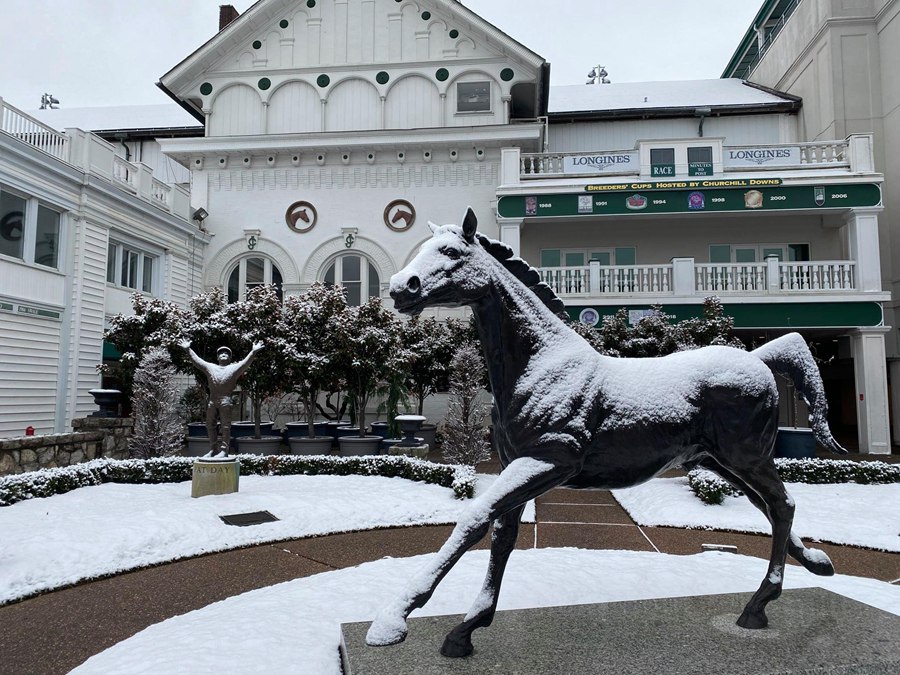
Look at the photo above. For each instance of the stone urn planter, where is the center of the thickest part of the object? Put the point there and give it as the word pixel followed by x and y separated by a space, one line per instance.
pixel 353 446
pixel 108 402
pixel 267 445
pixel 795 443
pixel 304 445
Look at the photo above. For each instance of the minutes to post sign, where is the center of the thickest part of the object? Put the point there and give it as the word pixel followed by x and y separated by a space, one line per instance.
pixel 735 195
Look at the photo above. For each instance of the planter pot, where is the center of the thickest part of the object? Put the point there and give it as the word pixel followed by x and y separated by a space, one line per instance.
pixel 247 428
pixel 795 442
pixel 428 432
pixel 196 429
pixel 267 445
pixel 108 402
pixel 387 443
pixel 197 446
pixel 346 430
pixel 303 445
pixel 352 446
pixel 380 429
pixel 294 429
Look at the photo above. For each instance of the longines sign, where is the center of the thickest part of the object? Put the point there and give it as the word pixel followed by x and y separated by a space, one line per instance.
pixel 611 162
pixel 761 157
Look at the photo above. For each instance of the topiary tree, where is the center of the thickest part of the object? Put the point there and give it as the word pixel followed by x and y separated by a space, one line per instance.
pixel 158 428
pixel 431 346
pixel 369 351
pixel 465 435
pixel 310 328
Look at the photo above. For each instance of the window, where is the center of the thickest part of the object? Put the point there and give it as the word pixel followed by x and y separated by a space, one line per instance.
pixel 473 97
pixel 556 257
pixel 750 253
pixel 252 272
pixel 662 162
pixel 358 277
pixel 29 230
pixel 567 270
pixel 700 161
pixel 129 267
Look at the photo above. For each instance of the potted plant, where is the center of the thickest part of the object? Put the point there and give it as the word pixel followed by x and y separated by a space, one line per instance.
pixel 310 325
pixel 369 351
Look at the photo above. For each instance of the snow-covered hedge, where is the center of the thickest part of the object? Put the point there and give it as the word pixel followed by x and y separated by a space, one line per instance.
pixel 49 482
pixel 711 489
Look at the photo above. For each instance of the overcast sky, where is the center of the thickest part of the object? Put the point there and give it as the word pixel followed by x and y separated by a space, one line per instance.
pixel 112 52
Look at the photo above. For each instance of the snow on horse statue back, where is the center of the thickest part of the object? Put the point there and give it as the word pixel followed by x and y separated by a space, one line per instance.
pixel 565 415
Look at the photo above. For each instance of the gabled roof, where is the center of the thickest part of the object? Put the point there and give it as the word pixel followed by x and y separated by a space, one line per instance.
pixel 268 12
pixel 665 99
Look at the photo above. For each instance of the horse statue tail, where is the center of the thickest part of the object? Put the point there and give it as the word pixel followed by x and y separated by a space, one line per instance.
pixel 790 356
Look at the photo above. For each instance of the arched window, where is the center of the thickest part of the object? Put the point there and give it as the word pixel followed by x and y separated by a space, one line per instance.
pixel 357 275
pixel 250 272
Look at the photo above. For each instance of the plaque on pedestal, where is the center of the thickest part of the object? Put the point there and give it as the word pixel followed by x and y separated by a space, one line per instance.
pixel 215 476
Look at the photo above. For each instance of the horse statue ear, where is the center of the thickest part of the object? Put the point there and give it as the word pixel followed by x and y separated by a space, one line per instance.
pixel 469 225
pixel 433 227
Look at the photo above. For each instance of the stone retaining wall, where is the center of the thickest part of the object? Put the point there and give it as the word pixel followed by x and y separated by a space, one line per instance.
pixel 93 437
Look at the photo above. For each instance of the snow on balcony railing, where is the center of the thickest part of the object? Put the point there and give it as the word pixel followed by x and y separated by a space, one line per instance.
pixel 567 281
pixel 28 130
pixel 730 277
pixel 821 275
pixel 634 279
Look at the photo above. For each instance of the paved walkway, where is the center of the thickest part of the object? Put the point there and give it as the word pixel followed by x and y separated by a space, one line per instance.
pixel 56 631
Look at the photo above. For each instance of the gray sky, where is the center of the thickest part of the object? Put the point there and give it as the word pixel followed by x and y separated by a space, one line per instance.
pixel 112 52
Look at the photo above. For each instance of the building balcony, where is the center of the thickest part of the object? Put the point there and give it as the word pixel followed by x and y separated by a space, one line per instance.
pixel 93 155
pixel 685 278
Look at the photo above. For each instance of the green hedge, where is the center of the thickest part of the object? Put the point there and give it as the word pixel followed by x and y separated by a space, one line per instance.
pixel 712 489
pixel 49 482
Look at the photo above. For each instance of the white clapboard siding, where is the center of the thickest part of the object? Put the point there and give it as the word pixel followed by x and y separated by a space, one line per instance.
pixel 237 111
pixel 29 372
pixel 413 103
pixel 295 107
pixel 178 280
pixel 353 105
pixel 88 305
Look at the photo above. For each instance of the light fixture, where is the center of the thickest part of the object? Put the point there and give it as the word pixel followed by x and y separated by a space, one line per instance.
pixel 200 215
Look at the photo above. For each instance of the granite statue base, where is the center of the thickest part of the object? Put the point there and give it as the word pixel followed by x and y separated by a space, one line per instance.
pixel 419 451
pixel 810 630
pixel 212 476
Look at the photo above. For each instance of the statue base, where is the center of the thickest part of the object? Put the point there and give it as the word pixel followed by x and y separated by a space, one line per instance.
pixel 215 476
pixel 810 630
pixel 419 451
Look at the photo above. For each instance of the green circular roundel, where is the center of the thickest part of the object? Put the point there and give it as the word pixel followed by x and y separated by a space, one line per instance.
pixel 507 74
pixel 442 74
pixel 382 77
pixel 310 3
pixel 454 33
pixel 283 23
pixel 426 15
pixel 257 44
pixel 206 88
pixel 323 81
pixel 264 83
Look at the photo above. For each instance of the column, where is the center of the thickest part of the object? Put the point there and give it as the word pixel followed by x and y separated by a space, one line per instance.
pixel 510 233
pixel 510 161
pixel 861 232
pixel 870 372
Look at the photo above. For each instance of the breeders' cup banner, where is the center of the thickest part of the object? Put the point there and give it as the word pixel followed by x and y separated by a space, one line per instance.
pixel 608 162
pixel 761 157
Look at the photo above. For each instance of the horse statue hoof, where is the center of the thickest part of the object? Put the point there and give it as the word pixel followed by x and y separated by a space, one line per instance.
pixel 386 630
pixel 752 620
pixel 457 646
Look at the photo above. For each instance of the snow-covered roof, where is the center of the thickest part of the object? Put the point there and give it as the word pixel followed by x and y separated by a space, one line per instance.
pixel 654 96
pixel 114 118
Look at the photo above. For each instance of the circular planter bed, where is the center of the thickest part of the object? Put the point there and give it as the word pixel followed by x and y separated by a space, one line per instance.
pixel 303 445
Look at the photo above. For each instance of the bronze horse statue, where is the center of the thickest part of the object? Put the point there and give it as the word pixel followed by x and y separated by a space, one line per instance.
pixel 565 415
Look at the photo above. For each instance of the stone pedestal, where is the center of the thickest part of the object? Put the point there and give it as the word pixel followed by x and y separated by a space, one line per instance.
pixel 811 630
pixel 419 451
pixel 215 476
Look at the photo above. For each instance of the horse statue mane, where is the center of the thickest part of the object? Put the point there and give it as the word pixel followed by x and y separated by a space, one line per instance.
pixel 525 273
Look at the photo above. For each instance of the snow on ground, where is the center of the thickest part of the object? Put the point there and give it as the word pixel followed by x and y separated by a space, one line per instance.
pixel 844 513
pixel 294 627
pixel 112 528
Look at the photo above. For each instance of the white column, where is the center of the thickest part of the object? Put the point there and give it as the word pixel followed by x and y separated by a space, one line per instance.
pixel 870 369
pixel 861 231
pixel 511 232
pixel 683 276
pixel 510 161
pixel 894 369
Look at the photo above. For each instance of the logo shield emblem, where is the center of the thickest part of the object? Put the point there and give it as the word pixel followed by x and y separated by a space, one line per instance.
pixel 820 196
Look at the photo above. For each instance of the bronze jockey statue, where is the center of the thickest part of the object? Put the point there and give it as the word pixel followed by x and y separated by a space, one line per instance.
pixel 221 379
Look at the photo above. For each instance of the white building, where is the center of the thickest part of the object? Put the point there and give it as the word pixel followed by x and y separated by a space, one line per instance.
pixel 81 229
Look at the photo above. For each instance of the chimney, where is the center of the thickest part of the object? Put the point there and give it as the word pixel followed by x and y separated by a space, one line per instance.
pixel 227 14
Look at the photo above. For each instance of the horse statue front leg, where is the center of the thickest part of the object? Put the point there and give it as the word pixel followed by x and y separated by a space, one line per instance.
pixel 458 642
pixel 523 479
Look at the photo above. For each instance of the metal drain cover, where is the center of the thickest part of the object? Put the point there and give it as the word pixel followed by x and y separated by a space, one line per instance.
pixel 244 519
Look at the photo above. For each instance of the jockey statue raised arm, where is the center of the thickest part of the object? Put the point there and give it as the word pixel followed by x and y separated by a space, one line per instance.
pixel 221 379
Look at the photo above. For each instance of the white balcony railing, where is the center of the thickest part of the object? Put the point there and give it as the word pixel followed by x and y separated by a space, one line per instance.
pixel 686 278
pixel 125 173
pixel 28 130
